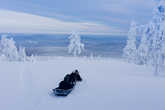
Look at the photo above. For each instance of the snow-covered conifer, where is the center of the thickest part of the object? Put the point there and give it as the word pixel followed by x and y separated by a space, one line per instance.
pixel 8 48
pixel 156 37
pixel 75 47
pixel 130 48
pixel 143 49
pixel 151 50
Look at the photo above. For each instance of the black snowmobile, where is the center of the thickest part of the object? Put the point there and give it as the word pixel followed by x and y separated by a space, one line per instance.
pixel 68 84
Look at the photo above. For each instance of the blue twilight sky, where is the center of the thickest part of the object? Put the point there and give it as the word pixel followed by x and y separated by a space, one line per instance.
pixel 112 15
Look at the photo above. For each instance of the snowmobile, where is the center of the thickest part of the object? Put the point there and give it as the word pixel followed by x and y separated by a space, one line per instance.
pixel 67 85
pixel 64 88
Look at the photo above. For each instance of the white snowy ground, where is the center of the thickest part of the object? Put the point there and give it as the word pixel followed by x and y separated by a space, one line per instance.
pixel 108 85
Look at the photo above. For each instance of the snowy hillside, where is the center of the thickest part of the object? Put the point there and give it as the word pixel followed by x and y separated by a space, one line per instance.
pixel 108 85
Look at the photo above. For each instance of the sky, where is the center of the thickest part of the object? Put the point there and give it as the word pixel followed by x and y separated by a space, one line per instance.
pixel 63 16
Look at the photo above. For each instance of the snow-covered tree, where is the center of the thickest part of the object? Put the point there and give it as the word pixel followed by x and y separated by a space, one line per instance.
pixel 151 50
pixel 155 38
pixel 75 47
pixel 143 49
pixel 130 50
pixel 9 50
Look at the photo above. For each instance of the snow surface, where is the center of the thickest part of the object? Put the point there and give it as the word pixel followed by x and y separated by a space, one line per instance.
pixel 108 84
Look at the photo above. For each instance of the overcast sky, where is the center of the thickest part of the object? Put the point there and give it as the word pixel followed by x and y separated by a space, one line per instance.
pixel 90 16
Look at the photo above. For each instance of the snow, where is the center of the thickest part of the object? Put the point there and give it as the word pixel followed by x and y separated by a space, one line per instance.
pixel 108 84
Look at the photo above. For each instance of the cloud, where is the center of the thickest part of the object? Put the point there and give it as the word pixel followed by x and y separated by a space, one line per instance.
pixel 109 16
pixel 17 22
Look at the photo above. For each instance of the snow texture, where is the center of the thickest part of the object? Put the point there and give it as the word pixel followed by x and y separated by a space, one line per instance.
pixel 107 85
